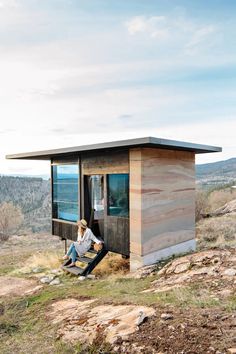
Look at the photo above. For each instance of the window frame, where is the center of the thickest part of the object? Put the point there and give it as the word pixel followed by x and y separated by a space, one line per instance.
pixel 107 196
pixel 64 162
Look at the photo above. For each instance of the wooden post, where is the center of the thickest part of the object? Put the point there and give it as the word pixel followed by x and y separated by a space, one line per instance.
pixel 65 246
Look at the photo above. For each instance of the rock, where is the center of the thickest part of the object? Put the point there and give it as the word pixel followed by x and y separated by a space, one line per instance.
pixel 55 281
pixel 180 268
pixel 171 328
pixel 230 272
pixel 141 318
pixel 167 316
pixel 81 278
pixel 56 271
pixel 79 322
pixel 226 292
pixel 47 279
pixel 37 270
pixel 232 350
pixel 91 276
pixel 142 272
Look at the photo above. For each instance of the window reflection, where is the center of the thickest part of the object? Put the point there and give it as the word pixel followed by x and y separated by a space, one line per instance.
pixel 118 195
pixel 65 192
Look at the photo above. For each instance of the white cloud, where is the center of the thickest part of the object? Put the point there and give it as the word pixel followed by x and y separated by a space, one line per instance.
pixel 186 32
pixel 9 4
pixel 144 24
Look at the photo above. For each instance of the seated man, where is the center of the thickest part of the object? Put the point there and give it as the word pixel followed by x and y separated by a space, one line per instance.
pixel 83 243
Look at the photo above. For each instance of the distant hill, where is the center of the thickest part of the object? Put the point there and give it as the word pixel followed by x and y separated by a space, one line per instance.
pixel 32 195
pixel 221 172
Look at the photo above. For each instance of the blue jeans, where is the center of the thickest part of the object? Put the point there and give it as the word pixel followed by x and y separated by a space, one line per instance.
pixel 72 252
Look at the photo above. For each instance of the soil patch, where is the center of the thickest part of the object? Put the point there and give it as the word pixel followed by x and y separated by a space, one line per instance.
pixel 186 331
pixel 17 286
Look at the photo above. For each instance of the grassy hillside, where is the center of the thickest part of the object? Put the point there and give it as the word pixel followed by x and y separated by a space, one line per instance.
pixel 32 195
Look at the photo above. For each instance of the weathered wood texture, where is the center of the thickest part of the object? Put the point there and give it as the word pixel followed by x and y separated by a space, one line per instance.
pixel 65 230
pixel 116 235
pixel 105 163
pixel 162 199
pixel 116 229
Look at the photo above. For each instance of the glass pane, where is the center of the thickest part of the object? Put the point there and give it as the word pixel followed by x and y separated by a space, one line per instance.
pixel 66 211
pixel 118 195
pixel 97 198
pixel 65 173
pixel 65 192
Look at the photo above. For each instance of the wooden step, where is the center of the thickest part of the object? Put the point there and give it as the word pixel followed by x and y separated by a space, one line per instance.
pixel 84 259
pixel 88 263
pixel 74 270
pixel 92 251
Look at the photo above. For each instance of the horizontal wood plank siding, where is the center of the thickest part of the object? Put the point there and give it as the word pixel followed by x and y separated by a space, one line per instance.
pixel 112 162
pixel 64 230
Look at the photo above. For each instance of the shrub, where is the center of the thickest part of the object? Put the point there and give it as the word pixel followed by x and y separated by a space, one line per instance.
pixel 201 204
pixel 10 220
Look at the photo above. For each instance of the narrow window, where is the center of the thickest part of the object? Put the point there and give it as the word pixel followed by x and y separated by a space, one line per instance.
pixel 118 195
pixel 65 191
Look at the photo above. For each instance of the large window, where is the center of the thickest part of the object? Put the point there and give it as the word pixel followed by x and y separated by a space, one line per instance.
pixel 118 195
pixel 65 191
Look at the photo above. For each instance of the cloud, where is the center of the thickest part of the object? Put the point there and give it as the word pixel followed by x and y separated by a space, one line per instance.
pixel 155 26
pixel 150 24
pixel 8 4
pixel 187 32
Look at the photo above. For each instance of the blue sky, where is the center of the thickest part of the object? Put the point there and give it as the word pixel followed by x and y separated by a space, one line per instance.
pixel 77 72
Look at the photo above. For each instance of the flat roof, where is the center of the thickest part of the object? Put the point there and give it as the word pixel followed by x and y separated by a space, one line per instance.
pixel 114 145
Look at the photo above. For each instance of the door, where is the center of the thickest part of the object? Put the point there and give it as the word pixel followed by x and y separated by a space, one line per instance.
pixel 117 213
pixel 106 208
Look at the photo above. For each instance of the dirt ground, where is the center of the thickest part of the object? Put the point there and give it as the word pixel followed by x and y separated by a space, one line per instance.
pixel 189 305
pixel 187 331
pixel 12 286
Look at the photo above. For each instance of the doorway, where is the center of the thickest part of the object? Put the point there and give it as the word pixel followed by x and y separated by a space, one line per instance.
pixel 106 208
pixel 94 203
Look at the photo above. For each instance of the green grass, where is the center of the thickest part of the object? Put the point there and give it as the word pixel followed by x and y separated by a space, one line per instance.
pixel 24 327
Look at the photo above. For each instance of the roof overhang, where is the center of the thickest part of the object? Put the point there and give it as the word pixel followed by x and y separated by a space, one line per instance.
pixel 114 145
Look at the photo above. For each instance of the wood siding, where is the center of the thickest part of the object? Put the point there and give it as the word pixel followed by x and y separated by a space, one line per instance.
pixel 65 230
pixel 116 229
pixel 109 162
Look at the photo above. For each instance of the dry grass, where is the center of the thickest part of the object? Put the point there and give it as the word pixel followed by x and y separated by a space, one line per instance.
pixel 112 264
pixel 216 232
pixel 218 198
pixel 45 260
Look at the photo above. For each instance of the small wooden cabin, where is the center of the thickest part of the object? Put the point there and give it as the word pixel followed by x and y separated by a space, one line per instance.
pixel 138 195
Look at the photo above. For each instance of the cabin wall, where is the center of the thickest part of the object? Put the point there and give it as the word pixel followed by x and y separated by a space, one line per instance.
pixel 162 204
pixel 116 229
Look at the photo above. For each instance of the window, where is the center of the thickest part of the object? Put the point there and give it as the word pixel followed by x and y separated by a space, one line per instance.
pixel 65 191
pixel 118 195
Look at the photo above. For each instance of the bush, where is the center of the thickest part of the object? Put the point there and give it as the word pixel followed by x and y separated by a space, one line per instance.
pixel 10 220
pixel 201 204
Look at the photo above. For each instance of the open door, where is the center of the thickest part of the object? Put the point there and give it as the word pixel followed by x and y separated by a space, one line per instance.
pixel 106 208
pixel 94 203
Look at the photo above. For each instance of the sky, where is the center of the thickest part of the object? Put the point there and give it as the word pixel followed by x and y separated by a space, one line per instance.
pixel 76 72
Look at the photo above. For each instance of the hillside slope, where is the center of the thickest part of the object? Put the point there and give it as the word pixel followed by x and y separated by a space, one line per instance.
pixel 221 172
pixel 32 195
